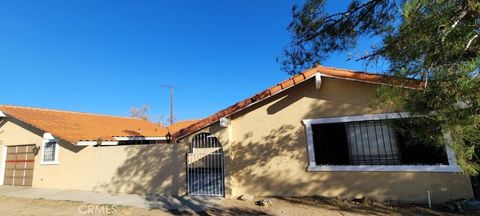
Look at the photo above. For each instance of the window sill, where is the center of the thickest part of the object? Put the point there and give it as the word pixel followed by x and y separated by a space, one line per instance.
pixel 49 163
pixel 387 168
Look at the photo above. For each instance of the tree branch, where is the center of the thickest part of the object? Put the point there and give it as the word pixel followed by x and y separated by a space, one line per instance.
pixel 334 19
pixel 470 42
pixel 455 23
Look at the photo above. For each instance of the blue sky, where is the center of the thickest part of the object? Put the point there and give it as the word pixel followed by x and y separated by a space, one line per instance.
pixel 108 56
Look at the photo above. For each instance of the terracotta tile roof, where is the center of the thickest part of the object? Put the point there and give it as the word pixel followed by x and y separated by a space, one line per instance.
pixel 177 126
pixel 292 81
pixel 74 126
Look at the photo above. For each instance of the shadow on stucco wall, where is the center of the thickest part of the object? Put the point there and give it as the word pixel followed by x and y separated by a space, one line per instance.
pixel 276 166
pixel 274 162
pixel 148 169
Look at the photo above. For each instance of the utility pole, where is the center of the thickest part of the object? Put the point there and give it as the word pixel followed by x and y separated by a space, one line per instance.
pixel 171 88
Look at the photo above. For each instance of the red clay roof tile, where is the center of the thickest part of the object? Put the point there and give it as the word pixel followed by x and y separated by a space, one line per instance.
pixel 74 126
pixel 177 126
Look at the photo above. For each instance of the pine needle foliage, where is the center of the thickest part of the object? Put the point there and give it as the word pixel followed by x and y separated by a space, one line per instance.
pixel 433 42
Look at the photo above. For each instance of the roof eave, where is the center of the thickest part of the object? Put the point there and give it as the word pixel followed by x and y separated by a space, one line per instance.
pixel 6 114
pixel 249 105
pixel 318 72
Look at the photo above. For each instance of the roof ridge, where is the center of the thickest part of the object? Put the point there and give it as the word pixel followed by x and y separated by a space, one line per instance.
pixel 67 111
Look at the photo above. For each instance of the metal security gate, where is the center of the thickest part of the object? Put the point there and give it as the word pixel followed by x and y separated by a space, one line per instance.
pixel 205 166
pixel 19 165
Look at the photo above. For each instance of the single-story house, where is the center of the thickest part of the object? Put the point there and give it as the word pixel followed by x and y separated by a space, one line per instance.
pixel 313 134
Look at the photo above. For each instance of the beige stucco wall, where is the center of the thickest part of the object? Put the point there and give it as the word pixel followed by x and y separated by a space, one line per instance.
pixel 266 154
pixel 141 169
pixel 118 169
pixel 267 150
pixel 17 134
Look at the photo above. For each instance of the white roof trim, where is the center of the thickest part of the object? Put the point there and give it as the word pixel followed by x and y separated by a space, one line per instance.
pixel 2 114
pixel 128 138
pixel 86 143
pixel 48 136
pixel 109 143
pixel 93 143
pixel 117 140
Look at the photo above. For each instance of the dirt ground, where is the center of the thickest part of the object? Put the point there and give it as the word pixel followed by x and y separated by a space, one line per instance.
pixel 280 206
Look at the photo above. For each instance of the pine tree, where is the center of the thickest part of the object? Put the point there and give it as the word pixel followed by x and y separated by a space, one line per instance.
pixel 433 41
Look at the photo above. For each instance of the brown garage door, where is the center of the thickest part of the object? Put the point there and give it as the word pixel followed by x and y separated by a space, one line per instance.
pixel 19 165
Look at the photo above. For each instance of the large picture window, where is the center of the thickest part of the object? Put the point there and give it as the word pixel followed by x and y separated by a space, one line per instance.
pixel 373 143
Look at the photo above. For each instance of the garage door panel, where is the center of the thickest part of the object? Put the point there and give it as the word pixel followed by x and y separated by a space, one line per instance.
pixel 23 165
pixel 30 165
pixel 18 181
pixel 28 181
pixel 21 156
pixel 21 149
pixel 8 181
pixel 10 166
pixel 22 169
pixel 14 166
pixel 11 149
pixel 9 172
pixel 11 156
pixel 19 165
pixel 29 172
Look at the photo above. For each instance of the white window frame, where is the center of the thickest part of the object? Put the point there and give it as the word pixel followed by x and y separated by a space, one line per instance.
pixel 57 149
pixel 313 167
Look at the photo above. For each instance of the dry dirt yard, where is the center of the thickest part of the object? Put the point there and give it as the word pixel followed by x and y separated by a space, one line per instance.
pixel 280 206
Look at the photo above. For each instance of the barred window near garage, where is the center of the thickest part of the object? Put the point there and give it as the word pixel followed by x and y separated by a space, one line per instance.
pixel 49 151
pixel 374 142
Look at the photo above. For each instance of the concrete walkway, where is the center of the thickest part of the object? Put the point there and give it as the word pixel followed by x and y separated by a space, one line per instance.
pixel 168 203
